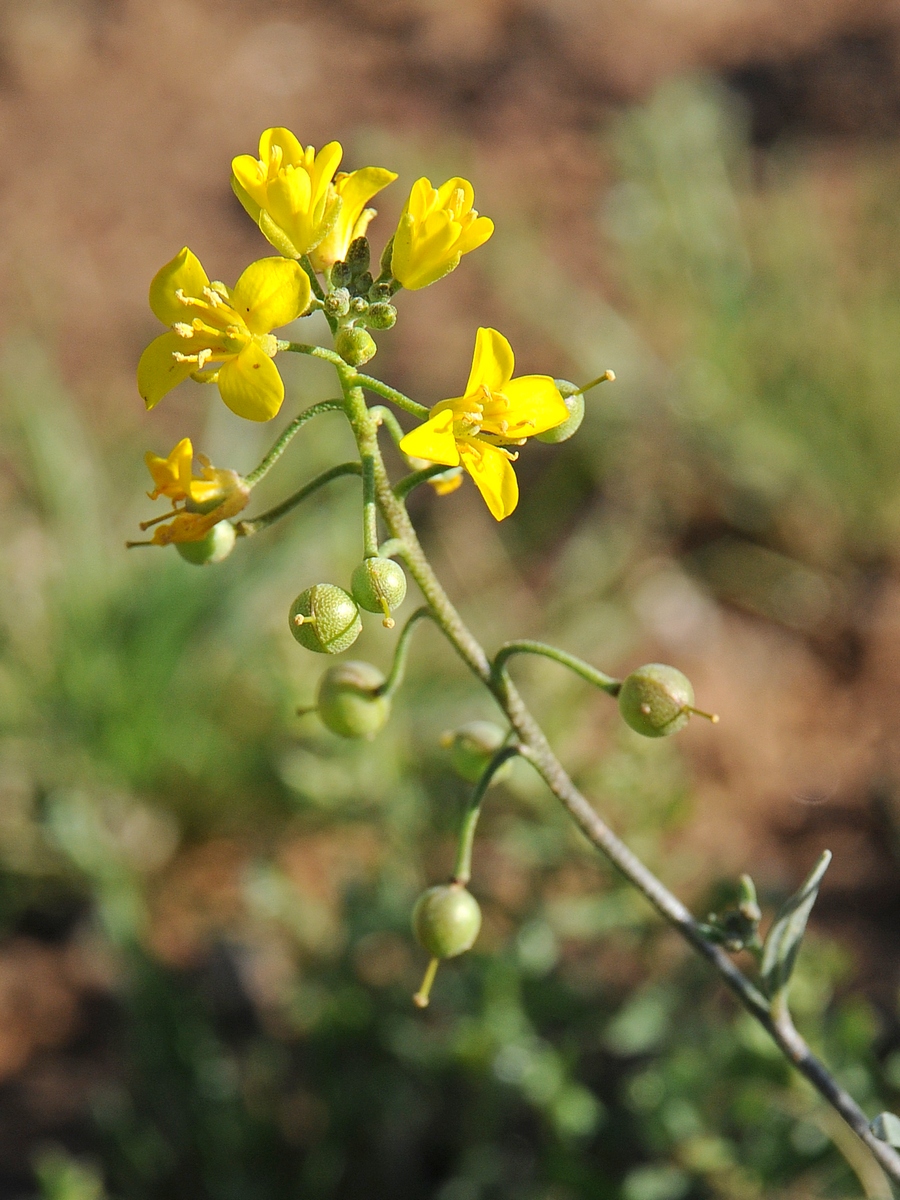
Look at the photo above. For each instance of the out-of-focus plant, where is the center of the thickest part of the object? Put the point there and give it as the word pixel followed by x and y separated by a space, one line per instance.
pixel 225 336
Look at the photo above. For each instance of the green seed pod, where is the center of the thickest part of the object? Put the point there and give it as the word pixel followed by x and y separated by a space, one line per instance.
pixel 656 700
pixel 379 585
pixel 325 618
pixel 472 747
pixel 337 303
pixel 446 920
pixel 382 316
pixel 347 703
pixel 217 544
pixel 574 402
pixel 355 345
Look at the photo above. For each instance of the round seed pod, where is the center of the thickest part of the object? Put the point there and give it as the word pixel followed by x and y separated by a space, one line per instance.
pixel 330 623
pixel 574 402
pixel 656 700
pixel 355 345
pixel 446 920
pixel 346 700
pixel 217 544
pixel 472 747
pixel 379 585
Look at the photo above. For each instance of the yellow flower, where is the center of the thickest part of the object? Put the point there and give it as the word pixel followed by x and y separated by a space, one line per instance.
pixel 206 499
pixel 437 227
pixel 226 327
pixel 288 191
pixel 355 191
pixel 496 411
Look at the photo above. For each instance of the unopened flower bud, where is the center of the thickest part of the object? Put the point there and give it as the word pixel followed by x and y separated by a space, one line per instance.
pixel 446 920
pixel 325 618
pixel 362 283
pixel 355 345
pixel 472 747
pixel 341 275
pixel 358 257
pixel 656 700
pixel 348 702
pixel 382 316
pixel 574 402
pixel 217 544
pixel 380 292
pixel 379 585
pixel 358 305
pixel 337 303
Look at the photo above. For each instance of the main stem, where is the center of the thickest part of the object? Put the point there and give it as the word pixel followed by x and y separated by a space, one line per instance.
pixel 534 745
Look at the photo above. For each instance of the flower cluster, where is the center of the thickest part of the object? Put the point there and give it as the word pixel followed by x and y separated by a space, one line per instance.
pixel 317 219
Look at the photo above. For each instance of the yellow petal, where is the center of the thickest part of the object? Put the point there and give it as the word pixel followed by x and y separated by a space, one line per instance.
pixel 433 441
pixel 183 273
pixel 355 191
pixel 492 363
pixel 456 194
pixel 475 235
pixel 535 405
pixel 158 371
pixel 291 149
pixel 493 475
pixel 168 472
pixel 240 189
pixel 250 384
pixel 326 163
pixel 271 292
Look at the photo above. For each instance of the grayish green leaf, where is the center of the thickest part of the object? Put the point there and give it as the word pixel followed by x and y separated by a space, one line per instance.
pixel 784 938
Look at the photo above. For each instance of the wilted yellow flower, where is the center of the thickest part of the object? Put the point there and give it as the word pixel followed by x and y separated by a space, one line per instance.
pixel 288 191
pixel 228 328
pixel 207 498
pixel 355 191
pixel 437 227
pixel 496 411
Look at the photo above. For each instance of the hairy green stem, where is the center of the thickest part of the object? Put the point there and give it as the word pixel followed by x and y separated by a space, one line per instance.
pixel 462 872
pixel 578 665
pixel 383 416
pixel 388 393
pixel 282 442
pixel 401 653
pixel 392 548
pixel 534 745
pixel 264 520
pixel 409 482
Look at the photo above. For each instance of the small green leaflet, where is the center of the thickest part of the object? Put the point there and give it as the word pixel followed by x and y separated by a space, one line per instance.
pixel 784 938
pixel 886 1128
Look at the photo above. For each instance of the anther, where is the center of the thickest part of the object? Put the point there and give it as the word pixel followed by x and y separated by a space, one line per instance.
pixel 183 329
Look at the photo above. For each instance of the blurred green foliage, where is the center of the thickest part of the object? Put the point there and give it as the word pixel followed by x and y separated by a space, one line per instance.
pixel 146 710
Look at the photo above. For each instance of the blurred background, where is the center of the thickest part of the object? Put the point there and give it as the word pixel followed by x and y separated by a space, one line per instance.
pixel 205 958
